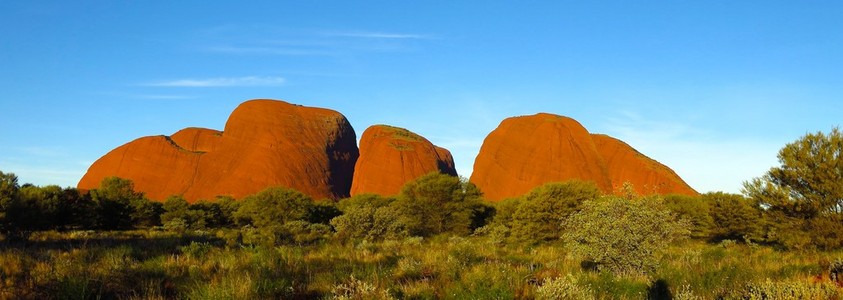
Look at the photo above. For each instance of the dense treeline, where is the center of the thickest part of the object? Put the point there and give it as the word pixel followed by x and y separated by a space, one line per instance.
pixel 433 204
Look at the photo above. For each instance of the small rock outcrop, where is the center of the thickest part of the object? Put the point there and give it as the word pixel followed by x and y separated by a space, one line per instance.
pixel 528 151
pixel 265 143
pixel 392 156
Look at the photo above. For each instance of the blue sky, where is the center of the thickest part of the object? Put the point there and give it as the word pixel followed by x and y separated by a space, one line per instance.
pixel 711 88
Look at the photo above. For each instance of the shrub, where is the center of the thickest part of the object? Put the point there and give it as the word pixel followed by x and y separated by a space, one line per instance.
pixel 835 272
pixel 145 213
pixel 504 210
pixel 623 236
pixel 228 208
pixel 114 200
pixel 694 209
pixel 176 225
pixel 539 216
pixel 790 290
pixel 202 214
pixel 560 288
pixel 370 217
pixel 196 249
pixel 437 203
pixel 357 289
pixel 274 206
pixel 303 232
pixel 280 216
pixel 685 293
pixel 735 217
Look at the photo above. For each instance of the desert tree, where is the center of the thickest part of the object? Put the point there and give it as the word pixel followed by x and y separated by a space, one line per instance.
pixel 803 196
pixel 114 201
pixel 438 203
pixel 539 215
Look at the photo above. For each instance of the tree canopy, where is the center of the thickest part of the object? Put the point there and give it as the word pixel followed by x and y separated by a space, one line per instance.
pixel 803 196
pixel 437 203
pixel 539 215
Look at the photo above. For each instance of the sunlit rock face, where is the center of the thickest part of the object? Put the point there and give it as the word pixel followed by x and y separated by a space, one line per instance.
pixel 392 156
pixel 528 151
pixel 265 143
pixel 646 175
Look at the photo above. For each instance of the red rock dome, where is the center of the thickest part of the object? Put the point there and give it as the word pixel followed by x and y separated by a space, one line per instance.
pixel 265 143
pixel 392 156
pixel 528 151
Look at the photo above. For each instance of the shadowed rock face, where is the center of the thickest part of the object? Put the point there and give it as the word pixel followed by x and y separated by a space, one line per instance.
pixel 392 156
pixel 265 143
pixel 529 151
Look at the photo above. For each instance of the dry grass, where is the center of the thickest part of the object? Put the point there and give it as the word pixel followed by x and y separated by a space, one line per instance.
pixel 153 265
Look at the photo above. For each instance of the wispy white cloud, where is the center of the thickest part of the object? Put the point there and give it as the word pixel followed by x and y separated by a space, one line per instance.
pixel 251 40
pixel 251 50
pixel 222 82
pixel 125 95
pixel 378 35
pixel 164 97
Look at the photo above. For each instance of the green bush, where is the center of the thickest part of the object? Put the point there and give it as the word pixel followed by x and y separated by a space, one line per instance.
pixel 145 213
pixel 539 216
pixel 735 217
pixel 114 199
pixel 561 288
pixel 280 216
pixel 695 209
pixel 176 225
pixel 437 203
pixel 790 290
pixel 369 217
pixel 353 289
pixel 196 249
pixel 303 232
pixel 623 236
pixel 274 206
pixel 504 210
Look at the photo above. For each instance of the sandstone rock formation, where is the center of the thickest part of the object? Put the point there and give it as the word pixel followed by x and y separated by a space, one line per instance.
pixel 528 151
pixel 265 143
pixel 646 175
pixel 392 156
